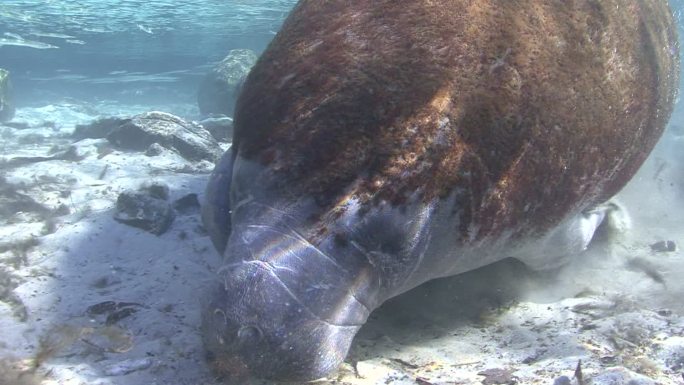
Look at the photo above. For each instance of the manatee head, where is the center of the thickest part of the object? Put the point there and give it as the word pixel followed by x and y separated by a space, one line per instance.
pixel 297 281
pixel 255 326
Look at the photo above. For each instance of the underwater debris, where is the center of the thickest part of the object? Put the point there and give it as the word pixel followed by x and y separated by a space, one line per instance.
pixel 115 311
pixel 405 363
pixel 109 306
pixel 664 246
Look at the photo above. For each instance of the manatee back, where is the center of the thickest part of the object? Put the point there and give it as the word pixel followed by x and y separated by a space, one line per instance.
pixel 524 110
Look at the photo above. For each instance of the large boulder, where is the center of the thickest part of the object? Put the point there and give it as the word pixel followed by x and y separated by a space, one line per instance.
pixel 220 88
pixel 189 139
pixel 6 103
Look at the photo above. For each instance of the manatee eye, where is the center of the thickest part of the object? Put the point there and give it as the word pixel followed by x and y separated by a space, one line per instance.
pixel 249 335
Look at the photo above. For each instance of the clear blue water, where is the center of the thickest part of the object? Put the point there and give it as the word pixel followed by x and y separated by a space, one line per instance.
pixel 115 49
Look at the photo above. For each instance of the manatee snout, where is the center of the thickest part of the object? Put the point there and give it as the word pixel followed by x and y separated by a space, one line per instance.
pixel 266 321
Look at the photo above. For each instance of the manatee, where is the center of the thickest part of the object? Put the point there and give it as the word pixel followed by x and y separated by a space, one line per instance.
pixel 381 144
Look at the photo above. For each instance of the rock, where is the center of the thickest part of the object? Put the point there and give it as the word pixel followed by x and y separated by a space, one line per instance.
pixel 97 129
pixel 664 246
pixel 144 211
pixel 220 88
pixel 187 204
pixel 6 104
pixel 156 190
pixel 190 140
pixel 220 127
pixel 562 380
pixel 155 149
pixel 620 376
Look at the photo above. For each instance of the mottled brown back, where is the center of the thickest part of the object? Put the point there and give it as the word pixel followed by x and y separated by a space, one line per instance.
pixel 526 110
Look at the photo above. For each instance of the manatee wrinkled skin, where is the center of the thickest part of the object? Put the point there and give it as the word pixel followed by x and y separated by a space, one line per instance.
pixel 381 144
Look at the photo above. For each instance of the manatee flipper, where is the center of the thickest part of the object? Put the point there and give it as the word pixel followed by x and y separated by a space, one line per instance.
pixel 216 208
pixel 574 236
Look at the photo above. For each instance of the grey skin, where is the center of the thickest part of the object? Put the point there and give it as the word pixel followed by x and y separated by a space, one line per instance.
pixel 294 300
pixel 289 310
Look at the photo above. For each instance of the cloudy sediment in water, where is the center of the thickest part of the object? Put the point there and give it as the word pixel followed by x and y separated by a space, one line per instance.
pixel 87 297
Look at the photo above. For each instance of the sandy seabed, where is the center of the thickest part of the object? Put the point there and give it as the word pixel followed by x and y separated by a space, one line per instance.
pixel 87 300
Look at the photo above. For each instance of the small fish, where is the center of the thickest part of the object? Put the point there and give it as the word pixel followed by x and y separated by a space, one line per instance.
pixel 74 41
